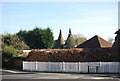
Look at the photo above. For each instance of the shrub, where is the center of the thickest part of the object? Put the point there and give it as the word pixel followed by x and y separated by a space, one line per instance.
pixel 8 52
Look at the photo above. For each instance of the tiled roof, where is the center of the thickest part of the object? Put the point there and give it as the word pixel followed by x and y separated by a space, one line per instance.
pixel 95 42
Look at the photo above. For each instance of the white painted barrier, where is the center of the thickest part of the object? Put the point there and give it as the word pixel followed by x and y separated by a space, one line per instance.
pixel 78 67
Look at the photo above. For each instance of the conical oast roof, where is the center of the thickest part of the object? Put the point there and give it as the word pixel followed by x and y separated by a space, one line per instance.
pixel 69 34
pixel 70 42
pixel 95 42
pixel 60 38
pixel 60 41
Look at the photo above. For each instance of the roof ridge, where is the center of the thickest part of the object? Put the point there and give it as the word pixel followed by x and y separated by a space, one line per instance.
pixel 100 39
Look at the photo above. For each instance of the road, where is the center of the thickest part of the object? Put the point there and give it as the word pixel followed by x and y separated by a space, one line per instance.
pixel 43 75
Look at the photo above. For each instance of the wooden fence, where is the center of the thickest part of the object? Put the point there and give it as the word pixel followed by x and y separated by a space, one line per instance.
pixel 78 67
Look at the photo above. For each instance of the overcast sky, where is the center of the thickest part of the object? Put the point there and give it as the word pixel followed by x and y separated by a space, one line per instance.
pixel 86 18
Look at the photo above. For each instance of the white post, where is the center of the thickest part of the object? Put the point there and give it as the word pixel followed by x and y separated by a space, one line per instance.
pixel 36 66
pixel 63 65
pixel 78 66
pixel 49 68
pixel 23 66
pixel 100 70
pixel 117 65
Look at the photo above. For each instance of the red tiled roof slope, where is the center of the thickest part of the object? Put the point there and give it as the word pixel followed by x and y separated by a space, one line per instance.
pixel 95 42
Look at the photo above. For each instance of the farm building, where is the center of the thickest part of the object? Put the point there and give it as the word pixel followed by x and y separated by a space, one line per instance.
pixel 95 42
pixel 60 43
pixel 116 47
pixel 95 49
pixel 70 55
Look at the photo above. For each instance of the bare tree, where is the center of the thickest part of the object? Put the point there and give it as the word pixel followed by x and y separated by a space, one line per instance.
pixel 110 40
pixel 79 38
